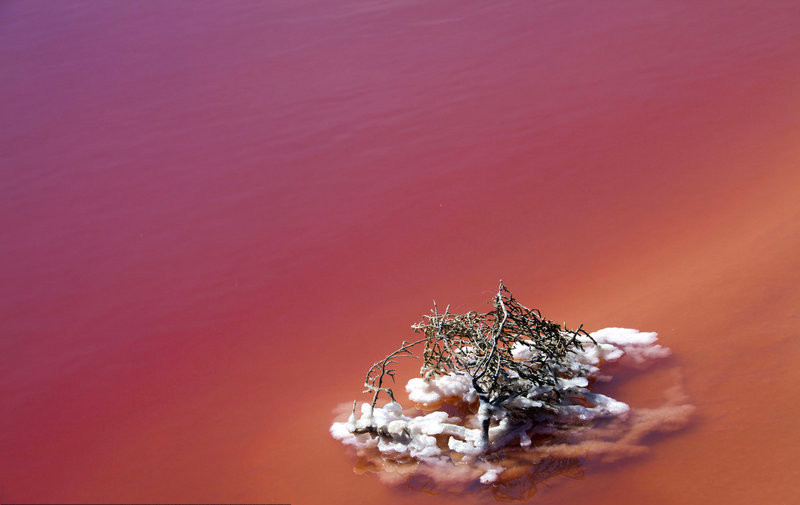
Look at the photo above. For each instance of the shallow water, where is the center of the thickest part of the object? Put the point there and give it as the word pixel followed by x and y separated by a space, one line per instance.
pixel 215 216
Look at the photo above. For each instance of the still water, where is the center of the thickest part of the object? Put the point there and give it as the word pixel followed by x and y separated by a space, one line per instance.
pixel 216 215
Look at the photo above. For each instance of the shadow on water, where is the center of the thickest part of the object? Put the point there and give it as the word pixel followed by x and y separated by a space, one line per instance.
pixel 520 484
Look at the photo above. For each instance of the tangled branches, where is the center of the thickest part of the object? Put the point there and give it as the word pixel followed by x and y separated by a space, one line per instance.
pixel 507 353
pixel 518 388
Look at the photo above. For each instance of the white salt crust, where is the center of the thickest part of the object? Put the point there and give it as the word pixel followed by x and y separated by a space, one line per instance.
pixel 415 436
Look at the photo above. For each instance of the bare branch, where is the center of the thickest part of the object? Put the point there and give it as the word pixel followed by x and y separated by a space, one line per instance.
pixel 482 346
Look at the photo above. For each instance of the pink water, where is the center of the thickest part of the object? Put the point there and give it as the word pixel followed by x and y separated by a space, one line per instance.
pixel 203 204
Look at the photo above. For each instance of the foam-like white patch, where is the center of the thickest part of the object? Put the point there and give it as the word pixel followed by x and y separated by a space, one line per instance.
pixel 491 474
pixel 433 391
pixel 613 343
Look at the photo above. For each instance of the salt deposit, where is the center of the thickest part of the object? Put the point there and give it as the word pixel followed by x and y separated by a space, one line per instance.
pixel 438 440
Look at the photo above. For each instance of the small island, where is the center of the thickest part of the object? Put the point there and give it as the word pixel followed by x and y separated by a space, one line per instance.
pixel 498 386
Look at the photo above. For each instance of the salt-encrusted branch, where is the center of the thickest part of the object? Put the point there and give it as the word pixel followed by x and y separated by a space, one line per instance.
pixel 529 376
pixel 483 347
pixel 375 375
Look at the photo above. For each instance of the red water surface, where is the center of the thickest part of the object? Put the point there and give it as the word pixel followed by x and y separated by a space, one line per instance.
pixel 214 215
